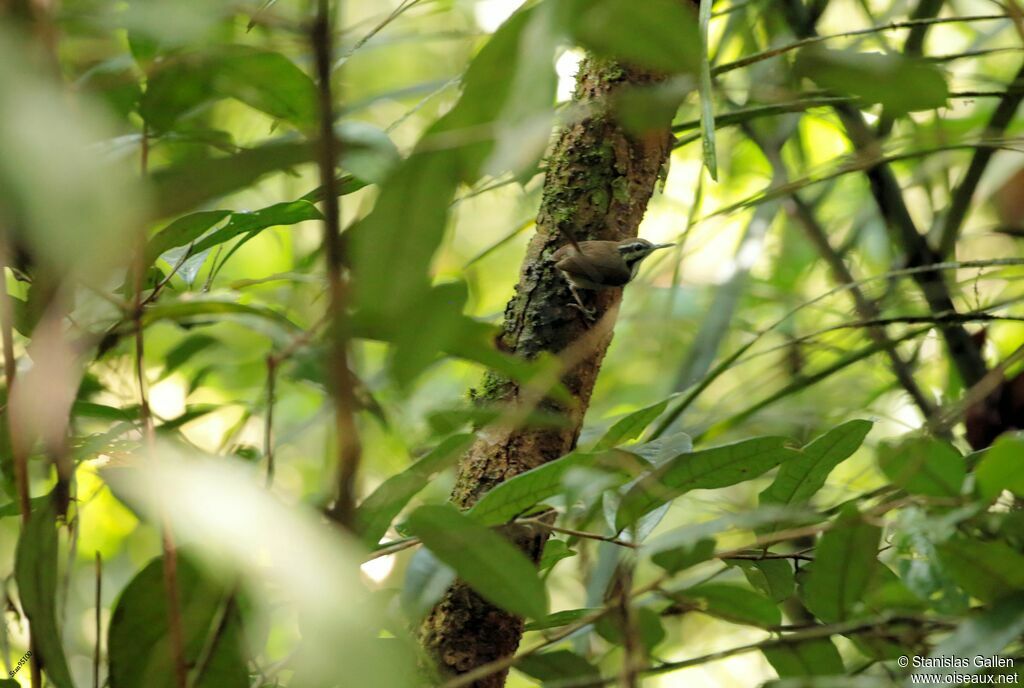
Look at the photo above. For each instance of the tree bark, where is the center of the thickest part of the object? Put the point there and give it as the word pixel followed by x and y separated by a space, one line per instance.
pixel 598 183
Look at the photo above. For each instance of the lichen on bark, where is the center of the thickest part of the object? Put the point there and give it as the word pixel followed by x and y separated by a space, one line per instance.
pixel 598 182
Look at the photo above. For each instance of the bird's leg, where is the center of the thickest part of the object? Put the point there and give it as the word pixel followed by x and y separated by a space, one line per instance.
pixel 588 313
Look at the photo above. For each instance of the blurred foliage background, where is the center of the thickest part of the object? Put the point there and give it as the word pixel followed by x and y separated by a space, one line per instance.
pixel 175 136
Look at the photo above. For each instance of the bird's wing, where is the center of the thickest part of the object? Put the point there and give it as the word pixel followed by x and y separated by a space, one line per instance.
pixel 605 269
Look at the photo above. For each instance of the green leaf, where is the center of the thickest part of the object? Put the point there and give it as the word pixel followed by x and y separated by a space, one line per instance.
pixel 734 603
pixel 799 479
pixel 986 570
pixel 288 213
pixel 773 577
pixel 35 571
pixel 199 310
pixel 845 562
pixel 376 512
pixel 707 95
pixel 899 83
pixel 183 352
pixel 924 465
pixel 562 618
pixel 489 563
pixel 557 665
pixel 711 468
pixel 555 550
pixel 264 80
pixel 182 231
pixel 1001 468
pixel 139 641
pixel 646 625
pixel 982 635
pixel 683 557
pixel 631 426
pixel 512 497
pixel 659 34
pixel 184 186
pixel 816 657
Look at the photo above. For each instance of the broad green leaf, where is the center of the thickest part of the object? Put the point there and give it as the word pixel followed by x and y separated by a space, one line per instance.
pixel 485 560
pixel 35 571
pixel 139 641
pixel 184 186
pixel 660 34
pixel 711 468
pixel 13 509
pixel 199 310
pixel 800 478
pixel 426 580
pixel 924 465
pixel 1002 468
pixel 264 80
pixel 377 511
pixel 512 497
pixel 734 603
pixel 631 426
pixel 684 556
pixel 899 83
pixel 845 562
pixel 773 577
pixel 556 665
pixel 986 570
pixel 182 231
pixel 646 625
pixel 707 94
pixel 817 657
pixel 984 634
pixel 289 213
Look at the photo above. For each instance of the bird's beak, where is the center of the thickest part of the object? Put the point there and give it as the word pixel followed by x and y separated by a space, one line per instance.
pixel 657 246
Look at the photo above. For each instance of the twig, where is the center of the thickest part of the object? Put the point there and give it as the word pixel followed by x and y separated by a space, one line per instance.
pixel 892 208
pixel 98 626
pixel 346 431
pixel 268 421
pixel 814 39
pixel 578 533
pixel 170 555
pixel 961 199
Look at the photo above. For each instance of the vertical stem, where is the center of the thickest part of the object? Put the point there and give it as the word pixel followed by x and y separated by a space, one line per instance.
pixel 346 432
pixel 170 555
pixel 99 610
pixel 268 421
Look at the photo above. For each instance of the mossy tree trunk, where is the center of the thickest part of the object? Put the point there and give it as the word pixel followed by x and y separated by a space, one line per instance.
pixel 598 183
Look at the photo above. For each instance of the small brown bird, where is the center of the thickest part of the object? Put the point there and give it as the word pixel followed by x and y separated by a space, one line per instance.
pixel 601 265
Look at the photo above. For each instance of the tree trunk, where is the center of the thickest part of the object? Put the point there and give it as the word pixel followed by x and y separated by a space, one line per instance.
pixel 598 183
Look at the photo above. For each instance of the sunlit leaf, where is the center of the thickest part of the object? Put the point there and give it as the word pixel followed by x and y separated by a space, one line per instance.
pixel 1000 468
pixel 899 83
pixel 706 469
pixel 631 426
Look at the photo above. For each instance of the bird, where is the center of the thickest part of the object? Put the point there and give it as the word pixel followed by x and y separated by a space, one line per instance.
pixel 601 265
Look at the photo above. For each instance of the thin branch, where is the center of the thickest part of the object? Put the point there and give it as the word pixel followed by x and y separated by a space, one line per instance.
pixel 579 533
pixel 892 207
pixel 961 198
pixel 814 39
pixel 98 624
pixel 865 308
pixel 268 420
pixel 341 388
